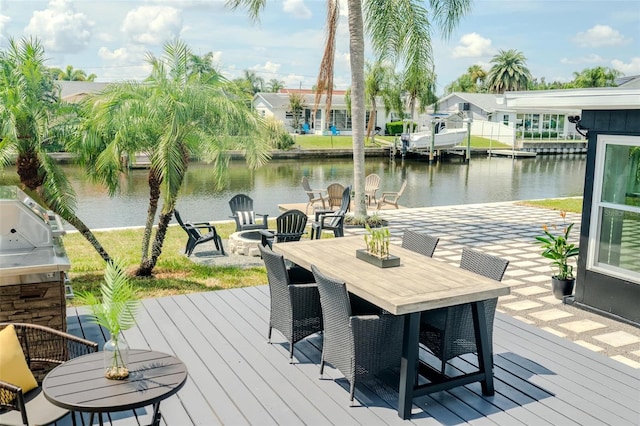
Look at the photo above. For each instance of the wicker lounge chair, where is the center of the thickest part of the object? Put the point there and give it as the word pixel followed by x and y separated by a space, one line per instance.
pixel 332 221
pixel 392 197
pixel 242 212
pixel 371 186
pixel 357 345
pixel 420 243
pixel 290 226
pixel 449 332
pixel 44 348
pixel 315 195
pixel 196 237
pixel 295 308
pixel 334 192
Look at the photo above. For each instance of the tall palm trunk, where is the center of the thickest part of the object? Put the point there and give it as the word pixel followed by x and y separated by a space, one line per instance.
pixel 356 49
pixel 154 181
pixel 372 121
pixel 31 177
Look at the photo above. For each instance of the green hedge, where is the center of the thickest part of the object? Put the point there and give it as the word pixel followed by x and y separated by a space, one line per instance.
pixel 394 128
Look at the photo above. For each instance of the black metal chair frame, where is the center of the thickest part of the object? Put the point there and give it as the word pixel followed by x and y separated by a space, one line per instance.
pixel 244 203
pixel 332 221
pixel 295 308
pixel 44 349
pixel 290 226
pixel 196 237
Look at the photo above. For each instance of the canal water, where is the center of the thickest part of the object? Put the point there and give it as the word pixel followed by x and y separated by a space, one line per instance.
pixel 444 183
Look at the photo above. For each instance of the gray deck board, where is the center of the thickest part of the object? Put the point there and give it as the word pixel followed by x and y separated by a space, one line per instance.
pixel 235 377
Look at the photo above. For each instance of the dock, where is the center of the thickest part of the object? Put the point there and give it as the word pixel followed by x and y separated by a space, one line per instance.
pixel 511 153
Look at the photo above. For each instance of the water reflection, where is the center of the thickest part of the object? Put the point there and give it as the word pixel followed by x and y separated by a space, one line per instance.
pixel 444 183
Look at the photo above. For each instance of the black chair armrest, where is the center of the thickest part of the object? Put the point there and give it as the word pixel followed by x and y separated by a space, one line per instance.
pixel 329 216
pixel 265 217
pixel 321 213
pixel 201 225
pixel 12 397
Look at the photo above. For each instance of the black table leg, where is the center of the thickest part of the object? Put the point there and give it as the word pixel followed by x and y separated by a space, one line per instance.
pixel 485 355
pixel 408 363
pixel 156 414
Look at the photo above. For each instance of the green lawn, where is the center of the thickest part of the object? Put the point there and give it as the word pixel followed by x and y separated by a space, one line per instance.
pixel 176 274
pixel 345 142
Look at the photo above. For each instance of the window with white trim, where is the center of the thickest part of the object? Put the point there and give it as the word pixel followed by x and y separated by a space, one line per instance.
pixel 614 237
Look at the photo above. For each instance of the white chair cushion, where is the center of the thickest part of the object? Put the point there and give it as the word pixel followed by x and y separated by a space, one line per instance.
pixel 246 218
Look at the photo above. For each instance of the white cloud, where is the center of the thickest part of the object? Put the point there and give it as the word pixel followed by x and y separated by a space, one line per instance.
pixel 296 8
pixel 269 68
pixel 632 68
pixel 600 35
pixel 589 59
pixel 60 27
pixel 153 25
pixel 124 63
pixel 472 46
pixel 4 20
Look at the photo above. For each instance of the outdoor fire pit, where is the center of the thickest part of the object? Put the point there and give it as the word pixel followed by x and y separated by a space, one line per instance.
pixel 245 243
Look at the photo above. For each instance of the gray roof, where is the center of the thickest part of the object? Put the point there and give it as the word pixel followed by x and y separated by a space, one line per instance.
pixel 630 82
pixel 73 89
pixel 485 101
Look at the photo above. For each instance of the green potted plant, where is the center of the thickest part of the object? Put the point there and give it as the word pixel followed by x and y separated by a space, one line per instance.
pixel 377 243
pixel 559 250
pixel 115 312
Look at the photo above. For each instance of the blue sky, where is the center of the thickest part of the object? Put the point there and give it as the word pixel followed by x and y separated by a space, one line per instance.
pixel 110 38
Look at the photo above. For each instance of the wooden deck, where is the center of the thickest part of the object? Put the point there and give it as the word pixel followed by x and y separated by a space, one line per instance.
pixel 235 377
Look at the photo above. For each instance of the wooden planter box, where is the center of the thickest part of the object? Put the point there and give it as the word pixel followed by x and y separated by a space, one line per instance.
pixel 380 262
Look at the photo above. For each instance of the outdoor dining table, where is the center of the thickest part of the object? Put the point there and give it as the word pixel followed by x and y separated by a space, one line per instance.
pixel 80 385
pixel 419 284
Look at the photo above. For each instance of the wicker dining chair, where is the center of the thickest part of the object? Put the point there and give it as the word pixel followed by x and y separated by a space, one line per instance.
pixel 449 332
pixel 358 345
pixel 420 243
pixel 295 308
pixel 44 348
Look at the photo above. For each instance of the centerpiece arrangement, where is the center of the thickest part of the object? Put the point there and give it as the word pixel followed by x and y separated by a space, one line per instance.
pixel 377 248
pixel 559 250
pixel 115 312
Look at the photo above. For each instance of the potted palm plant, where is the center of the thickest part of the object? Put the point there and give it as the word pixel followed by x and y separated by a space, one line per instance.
pixel 559 250
pixel 115 311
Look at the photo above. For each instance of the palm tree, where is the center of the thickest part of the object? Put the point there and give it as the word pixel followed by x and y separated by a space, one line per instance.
pixel 72 74
pixel 172 116
pixel 31 118
pixel 477 74
pixel 596 77
pixel 202 66
pixel 509 72
pixel 274 85
pixel 378 82
pixel 296 106
pixel 399 30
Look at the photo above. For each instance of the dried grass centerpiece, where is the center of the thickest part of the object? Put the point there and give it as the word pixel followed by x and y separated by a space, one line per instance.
pixel 377 251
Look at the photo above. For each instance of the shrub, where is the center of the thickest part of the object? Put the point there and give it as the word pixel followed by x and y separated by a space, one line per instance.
pixel 394 128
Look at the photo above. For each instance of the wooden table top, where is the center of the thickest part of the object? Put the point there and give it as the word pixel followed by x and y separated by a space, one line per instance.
pixel 80 385
pixel 420 283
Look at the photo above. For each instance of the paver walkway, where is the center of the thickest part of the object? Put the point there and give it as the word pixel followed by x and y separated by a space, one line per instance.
pixel 508 230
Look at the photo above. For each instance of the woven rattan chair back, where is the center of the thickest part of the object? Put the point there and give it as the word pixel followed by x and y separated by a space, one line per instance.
pixel 295 308
pixel 358 346
pixel 424 244
pixel 44 349
pixel 449 332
